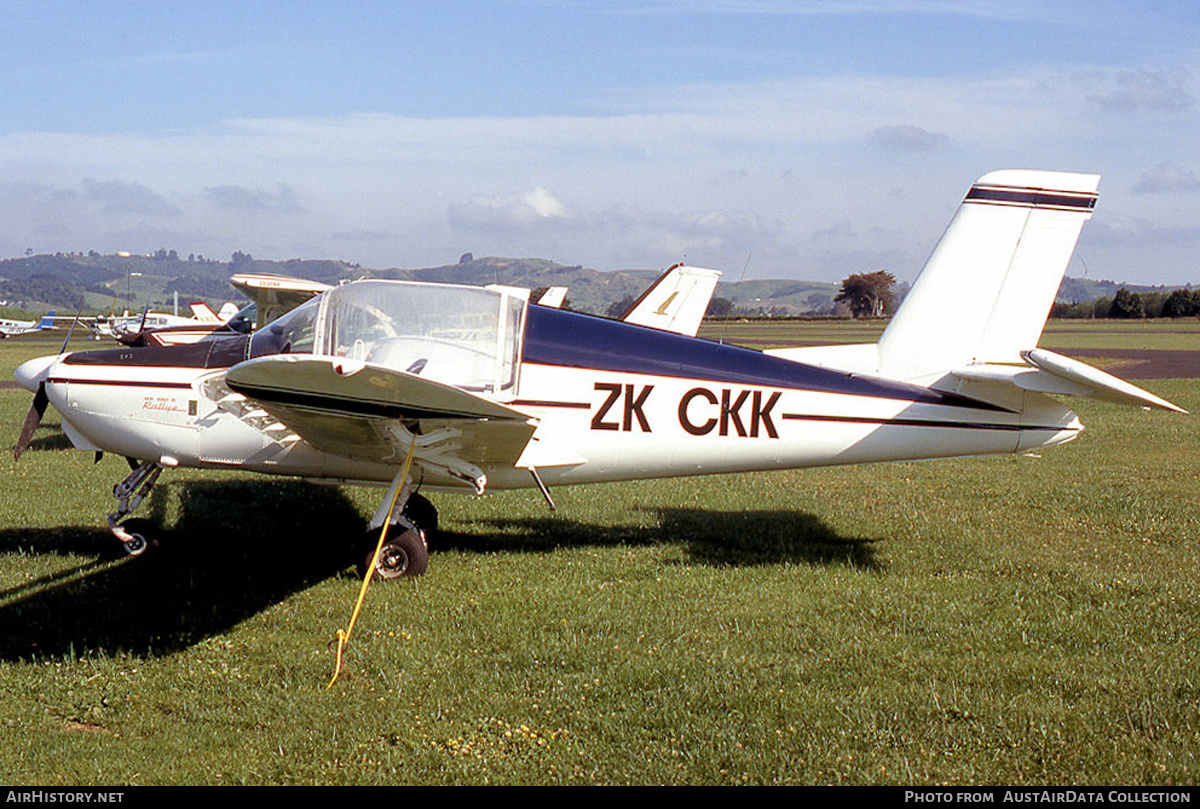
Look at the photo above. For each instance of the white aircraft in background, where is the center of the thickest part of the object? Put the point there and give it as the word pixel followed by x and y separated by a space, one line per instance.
pixel 458 388
pixel 11 328
pixel 272 296
pixel 676 301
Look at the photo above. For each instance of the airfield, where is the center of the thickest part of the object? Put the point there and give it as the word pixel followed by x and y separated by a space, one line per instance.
pixel 1007 620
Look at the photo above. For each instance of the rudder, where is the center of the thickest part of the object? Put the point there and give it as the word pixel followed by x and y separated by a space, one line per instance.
pixel 985 292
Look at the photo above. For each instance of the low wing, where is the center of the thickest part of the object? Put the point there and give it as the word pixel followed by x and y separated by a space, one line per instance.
pixel 275 295
pixel 676 301
pixel 371 413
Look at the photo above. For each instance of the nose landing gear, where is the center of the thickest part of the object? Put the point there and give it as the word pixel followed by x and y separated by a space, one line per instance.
pixel 130 493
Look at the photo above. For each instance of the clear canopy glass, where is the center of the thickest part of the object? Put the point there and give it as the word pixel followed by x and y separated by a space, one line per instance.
pixel 465 336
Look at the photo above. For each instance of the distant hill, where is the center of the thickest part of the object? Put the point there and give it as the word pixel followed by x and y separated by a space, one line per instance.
pixel 1086 290
pixel 587 290
pixel 102 282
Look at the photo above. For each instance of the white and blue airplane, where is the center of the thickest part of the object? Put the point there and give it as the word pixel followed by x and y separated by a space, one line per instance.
pixel 459 388
pixel 11 328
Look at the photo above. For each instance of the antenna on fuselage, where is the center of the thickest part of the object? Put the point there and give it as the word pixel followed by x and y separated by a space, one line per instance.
pixel 741 278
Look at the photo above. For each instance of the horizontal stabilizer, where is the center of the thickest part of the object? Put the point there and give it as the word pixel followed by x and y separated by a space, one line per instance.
pixel 1047 372
pixel 1100 385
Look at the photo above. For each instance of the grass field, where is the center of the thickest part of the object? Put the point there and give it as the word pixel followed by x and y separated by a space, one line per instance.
pixel 1008 620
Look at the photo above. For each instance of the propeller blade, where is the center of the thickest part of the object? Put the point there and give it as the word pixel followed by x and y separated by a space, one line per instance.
pixel 70 331
pixel 32 419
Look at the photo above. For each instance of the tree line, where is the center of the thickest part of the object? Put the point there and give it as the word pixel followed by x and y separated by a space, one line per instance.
pixel 1133 305
pixel 872 295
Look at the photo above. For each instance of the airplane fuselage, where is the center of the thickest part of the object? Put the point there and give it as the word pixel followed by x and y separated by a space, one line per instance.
pixel 612 401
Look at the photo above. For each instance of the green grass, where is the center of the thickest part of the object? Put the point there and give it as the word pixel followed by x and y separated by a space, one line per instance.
pixel 1009 620
pixel 1161 334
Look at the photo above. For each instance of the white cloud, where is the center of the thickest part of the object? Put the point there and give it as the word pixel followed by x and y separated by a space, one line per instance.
pixel 1168 178
pixel 492 213
pixel 1133 91
pixel 714 171
pixel 115 196
pixel 236 198
pixel 907 138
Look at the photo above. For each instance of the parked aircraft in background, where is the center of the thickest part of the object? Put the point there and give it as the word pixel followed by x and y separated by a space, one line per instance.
pixel 675 302
pixel 481 390
pixel 272 295
pixel 553 297
pixel 11 328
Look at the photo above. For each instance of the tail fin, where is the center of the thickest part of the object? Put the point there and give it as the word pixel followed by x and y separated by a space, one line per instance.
pixel 553 297
pixel 985 292
pixel 203 312
pixel 972 321
pixel 676 301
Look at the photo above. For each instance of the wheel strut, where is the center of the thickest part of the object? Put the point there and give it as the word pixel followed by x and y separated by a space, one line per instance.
pixel 130 493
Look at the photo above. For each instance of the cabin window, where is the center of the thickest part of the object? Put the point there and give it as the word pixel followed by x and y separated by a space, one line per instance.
pixel 469 337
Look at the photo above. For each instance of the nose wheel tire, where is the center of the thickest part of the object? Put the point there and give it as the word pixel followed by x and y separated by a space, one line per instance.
pixel 136 546
pixel 134 536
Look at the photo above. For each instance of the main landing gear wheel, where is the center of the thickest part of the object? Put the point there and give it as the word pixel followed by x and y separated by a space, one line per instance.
pixel 403 554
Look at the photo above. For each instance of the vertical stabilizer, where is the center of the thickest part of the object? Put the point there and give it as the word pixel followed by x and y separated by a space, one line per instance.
pixel 202 312
pixel 985 292
pixel 676 301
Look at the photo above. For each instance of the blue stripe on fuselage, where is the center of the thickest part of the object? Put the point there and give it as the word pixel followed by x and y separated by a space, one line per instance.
pixel 574 340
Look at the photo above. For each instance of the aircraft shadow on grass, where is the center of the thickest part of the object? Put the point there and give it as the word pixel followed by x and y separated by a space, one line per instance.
pixel 52 442
pixel 740 538
pixel 237 548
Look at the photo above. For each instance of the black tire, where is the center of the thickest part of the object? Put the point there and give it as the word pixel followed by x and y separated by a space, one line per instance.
pixel 403 555
pixel 142 531
pixel 421 513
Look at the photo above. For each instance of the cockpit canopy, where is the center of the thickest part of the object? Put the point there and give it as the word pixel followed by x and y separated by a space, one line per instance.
pixel 465 336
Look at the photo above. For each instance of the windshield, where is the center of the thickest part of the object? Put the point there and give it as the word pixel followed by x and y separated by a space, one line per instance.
pixel 294 333
pixel 463 336
pixel 243 322
pixel 469 337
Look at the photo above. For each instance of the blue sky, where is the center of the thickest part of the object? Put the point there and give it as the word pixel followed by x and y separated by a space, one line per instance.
pixel 794 139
